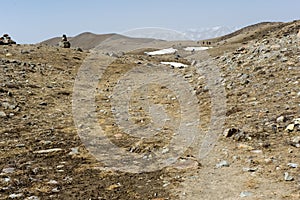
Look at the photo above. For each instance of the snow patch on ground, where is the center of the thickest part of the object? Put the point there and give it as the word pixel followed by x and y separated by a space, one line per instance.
pixel 196 48
pixel 175 64
pixel 161 52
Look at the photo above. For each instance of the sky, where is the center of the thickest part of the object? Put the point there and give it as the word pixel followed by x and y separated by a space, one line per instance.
pixel 32 21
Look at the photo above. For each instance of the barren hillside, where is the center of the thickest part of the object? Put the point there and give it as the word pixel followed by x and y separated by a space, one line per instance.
pixel 256 155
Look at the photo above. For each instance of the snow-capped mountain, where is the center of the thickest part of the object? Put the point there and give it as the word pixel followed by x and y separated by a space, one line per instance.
pixel 169 34
pixel 206 33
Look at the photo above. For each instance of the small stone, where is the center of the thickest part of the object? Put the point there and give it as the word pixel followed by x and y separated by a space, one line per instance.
pixel 256 151
pixel 52 182
pixel 249 169
pixel 12 196
pixel 275 47
pixel 246 194
pixel 32 198
pixel 74 151
pixel 8 55
pixel 284 59
pixel 194 62
pixel 6 179
pixel 48 150
pixel 290 127
pixel 288 177
pixel 245 146
pixel 2 114
pixel 8 170
pixel 182 164
pixel 118 135
pixel 280 119
pixel 43 104
pixel 296 140
pixel 223 163
pixel 79 49
pixel 230 132
pixel 165 150
pixel 25 51
pixel 55 190
pixel 292 165
pixel 296 121
pixel 268 160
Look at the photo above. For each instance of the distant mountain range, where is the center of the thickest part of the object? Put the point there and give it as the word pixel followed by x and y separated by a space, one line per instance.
pixel 207 33
pixel 168 34
pixel 89 40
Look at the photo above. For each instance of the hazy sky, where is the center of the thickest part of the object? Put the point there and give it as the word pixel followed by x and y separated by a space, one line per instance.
pixel 31 21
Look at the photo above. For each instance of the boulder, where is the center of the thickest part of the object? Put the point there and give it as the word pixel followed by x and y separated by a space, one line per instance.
pixel 64 44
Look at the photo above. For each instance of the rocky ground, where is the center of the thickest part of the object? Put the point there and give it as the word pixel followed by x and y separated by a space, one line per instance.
pixel 256 156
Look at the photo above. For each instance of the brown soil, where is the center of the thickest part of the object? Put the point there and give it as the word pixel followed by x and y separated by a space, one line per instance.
pixel 36 87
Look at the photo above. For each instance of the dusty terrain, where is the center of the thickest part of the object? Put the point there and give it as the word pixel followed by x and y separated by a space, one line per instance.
pixel 43 157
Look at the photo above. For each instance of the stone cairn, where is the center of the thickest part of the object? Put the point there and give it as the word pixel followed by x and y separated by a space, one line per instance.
pixel 6 40
pixel 64 43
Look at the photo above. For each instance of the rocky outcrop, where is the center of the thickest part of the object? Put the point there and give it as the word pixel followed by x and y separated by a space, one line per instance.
pixel 64 43
pixel 6 40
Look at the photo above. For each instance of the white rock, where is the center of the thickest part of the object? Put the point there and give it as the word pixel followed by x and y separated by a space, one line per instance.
pixel 8 170
pixel 223 163
pixel 287 177
pixel 175 64
pixel 292 165
pixel 52 182
pixel 32 198
pixel 290 127
pixel 296 121
pixel 15 195
pixel 296 139
pixel 74 151
pixel 280 119
pixel 48 150
pixel 246 194
pixel 2 114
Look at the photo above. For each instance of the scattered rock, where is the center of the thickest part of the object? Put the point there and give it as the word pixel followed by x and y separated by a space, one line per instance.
pixel 79 49
pixel 281 119
pixel 52 182
pixel 182 164
pixel 55 190
pixel 48 150
pixel 2 114
pixel 223 163
pixel 25 51
pixel 292 165
pixel 8 170
pixel 246 194
pixel 249 169
pixel 8 55
pixel 12 196
pixel 296 121
pixel 230 132
pixel 288 177
pixel 32 198
pixel 74 151
pixel 290 127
